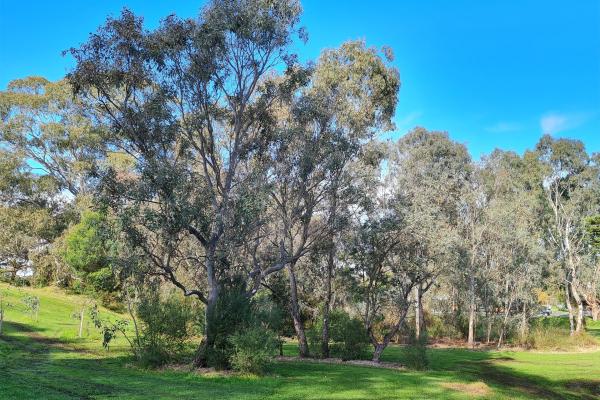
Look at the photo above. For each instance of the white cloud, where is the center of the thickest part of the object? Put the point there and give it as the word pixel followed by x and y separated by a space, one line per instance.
pixel 554 122
pixel 503 127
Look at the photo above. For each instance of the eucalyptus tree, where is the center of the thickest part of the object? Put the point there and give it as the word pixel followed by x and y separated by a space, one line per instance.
pixel 512 250
pixel 592 230
pixel 570 182
pixel 381 277
pixel 472 228
pixel 428 173
pixel 44 122
pixel 351 95
pixel 193 103
pixel 28 214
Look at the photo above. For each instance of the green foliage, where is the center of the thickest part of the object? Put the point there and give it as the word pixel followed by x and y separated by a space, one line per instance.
pixel 350 339
pixel 253 348
pixel 109 329
pixel 414 354
pixel 102 280
pixel 232 313
pixel 237 323
pixel 88 372
pixel 349 336
pixel 85 248
pixel 592 227
pixel 442 328
pixel 165 327
pixel 32 306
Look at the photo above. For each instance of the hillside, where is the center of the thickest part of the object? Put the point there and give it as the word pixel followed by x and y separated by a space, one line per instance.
pixel 45 359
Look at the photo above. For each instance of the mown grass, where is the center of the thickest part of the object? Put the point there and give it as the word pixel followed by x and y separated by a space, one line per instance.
pixel 46 360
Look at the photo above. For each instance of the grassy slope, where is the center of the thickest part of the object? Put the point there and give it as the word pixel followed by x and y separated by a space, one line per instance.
pixel 45 359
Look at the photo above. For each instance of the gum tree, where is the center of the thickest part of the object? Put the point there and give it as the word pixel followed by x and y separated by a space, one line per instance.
pixel 570 181
pixel 192 102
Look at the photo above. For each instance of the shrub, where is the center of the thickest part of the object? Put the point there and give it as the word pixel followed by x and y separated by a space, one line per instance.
pixel 231 314
pixel 349 336
pixel 102 280
pixel 350 339
pixel 85 249
pixel 165 327
pixel 414 353
pixel 253 348
pixel 440 328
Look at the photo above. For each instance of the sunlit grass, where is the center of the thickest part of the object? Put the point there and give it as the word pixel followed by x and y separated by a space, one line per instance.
pixel 45 359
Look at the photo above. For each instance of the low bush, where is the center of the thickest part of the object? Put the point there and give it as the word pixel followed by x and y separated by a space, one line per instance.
pixel 253 349
pixel 232 314
pixel 414 354
pixel 439 328
pixel 165 327
pixel 349 337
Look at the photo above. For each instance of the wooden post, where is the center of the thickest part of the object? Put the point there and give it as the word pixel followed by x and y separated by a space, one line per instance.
pixel 1 312
pixel 81 314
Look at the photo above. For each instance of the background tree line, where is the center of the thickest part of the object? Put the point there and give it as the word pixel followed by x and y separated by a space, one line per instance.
pixel 203 156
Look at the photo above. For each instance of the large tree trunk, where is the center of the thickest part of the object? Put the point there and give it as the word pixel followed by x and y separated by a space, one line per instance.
pixel 330 266
pixel 419 320
pixel 504 323
pixel 574 285
pixel 295 311
pixel 327 304
pixel 595 310
pixel 489 329
pixel 379 347
pixel 211 303
pixel 569 307
pixel 472 310
pixel 579 302
pixel 524 324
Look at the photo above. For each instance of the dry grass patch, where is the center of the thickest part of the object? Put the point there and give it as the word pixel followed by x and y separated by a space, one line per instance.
pixel 475 389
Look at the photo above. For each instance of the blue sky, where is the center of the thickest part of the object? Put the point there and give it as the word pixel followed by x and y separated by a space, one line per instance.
pixel 490 73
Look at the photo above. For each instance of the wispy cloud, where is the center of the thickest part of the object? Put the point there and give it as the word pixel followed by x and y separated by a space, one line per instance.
pixel 504 127
pixel 553 122
pixel 408 121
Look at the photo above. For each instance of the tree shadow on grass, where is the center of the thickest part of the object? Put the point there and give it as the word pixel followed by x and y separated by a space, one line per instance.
pixel 41 367
pixel 51 369
pixel 487 367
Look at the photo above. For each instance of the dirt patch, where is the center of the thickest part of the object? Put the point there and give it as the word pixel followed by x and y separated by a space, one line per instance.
pixel 206 372
pixel 339 361
pixel 475 389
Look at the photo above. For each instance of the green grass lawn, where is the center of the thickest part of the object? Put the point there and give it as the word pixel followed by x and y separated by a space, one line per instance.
pixel 44 359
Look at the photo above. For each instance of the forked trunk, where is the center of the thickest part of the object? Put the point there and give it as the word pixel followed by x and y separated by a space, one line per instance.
pixel 379 347
pixel 569 308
